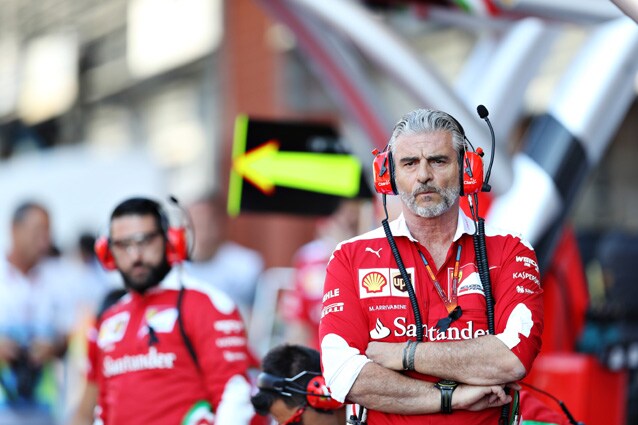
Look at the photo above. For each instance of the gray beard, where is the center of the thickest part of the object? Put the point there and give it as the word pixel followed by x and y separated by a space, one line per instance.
pixel 448 196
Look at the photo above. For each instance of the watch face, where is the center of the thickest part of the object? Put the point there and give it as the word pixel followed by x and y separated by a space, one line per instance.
pixel 446 383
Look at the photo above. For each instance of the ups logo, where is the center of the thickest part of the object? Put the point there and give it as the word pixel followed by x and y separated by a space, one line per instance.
pixel 399 283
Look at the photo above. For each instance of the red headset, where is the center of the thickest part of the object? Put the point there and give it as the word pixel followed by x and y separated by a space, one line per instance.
pixel 470 165
pixel 176 244
pixel 317 393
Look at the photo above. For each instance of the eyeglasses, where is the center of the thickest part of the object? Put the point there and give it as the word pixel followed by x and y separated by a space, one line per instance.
pixel 139 241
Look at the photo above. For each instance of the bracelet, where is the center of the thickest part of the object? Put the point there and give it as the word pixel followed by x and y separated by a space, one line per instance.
pixel 405 354
pixel 411 355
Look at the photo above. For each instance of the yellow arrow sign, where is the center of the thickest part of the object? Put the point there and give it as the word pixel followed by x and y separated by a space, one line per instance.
pixel 267 167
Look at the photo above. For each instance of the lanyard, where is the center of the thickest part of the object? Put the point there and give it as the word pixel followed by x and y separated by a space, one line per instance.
pixel 451 300
pixel 296 417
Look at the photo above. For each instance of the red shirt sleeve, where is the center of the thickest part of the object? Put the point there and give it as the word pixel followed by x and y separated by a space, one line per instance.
pixel 219 339
pixel 518 311
pixel 342 312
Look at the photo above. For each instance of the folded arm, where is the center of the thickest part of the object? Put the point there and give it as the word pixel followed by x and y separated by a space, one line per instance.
pixel 480 361
pixel 385 390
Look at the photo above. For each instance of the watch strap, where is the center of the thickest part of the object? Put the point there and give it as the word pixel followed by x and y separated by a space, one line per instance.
pixel 447 388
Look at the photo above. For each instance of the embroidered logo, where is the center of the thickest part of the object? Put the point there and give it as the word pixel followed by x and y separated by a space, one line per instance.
pixel 374 282
pixel 379 331
pixel 112 329
pixel 383 282
pixel 399 284
pixel 377 252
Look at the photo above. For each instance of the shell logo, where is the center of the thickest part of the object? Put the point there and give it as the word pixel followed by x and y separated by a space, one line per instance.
pixel 374 282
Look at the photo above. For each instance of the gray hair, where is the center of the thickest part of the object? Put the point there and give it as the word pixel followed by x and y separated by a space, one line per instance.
pixel 428 121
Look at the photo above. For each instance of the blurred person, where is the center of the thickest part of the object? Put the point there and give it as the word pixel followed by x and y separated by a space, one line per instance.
pixel 36 314
pixel 301 307
pixel 173 349
pixel 85 411
pixel 292 390
pixel 408 337
pixel 89 283
pixel 228 266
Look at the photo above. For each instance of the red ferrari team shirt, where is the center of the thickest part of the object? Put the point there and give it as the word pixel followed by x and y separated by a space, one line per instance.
pixel 147 375
pixel 365 299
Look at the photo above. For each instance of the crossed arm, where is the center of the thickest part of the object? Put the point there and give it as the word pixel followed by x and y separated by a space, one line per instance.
pixel 404 395
pixel 480 361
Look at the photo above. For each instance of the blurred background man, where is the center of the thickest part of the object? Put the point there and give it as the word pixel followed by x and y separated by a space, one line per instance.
pixel 227 265
pixel 174 349
pixel 36 314
pixel 301 307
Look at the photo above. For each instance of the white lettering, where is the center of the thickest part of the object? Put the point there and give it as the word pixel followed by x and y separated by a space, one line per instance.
pixel 399 323
pixel 231 341
pixel 231 356
pixel 454 333
pixel 527 261
pixel 466 333
pixel 385 307
pixel 525 275
pixel 331 308
pixel 125 364
pixel 523 290
pixel 229 326
pixel 401 328
pixel 331 294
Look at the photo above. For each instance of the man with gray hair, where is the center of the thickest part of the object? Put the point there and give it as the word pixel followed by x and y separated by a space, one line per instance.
pixel 404 329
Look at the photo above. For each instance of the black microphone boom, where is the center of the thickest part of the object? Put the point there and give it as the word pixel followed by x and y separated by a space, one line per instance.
pixel 483 113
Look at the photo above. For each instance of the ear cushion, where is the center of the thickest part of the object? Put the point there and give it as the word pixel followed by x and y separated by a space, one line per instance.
pixel 177 245
pixel 383 169
pixel 393 182
pixel 103 253
pixel 471 173
pixel 318 395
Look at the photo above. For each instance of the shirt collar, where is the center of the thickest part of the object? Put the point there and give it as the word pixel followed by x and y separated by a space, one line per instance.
pixel 465 225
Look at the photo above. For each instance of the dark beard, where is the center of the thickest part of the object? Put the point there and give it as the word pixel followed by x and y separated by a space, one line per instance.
pixel 156 275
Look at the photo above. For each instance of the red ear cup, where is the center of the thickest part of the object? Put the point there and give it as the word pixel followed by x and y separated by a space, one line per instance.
pixel 472 172
pixel 318 395
pixel 177 245
pixel 383 169
pixel 103 253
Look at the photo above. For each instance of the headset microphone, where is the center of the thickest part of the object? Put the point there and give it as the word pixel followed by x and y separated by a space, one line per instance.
pixel 483 113
pixel 315 391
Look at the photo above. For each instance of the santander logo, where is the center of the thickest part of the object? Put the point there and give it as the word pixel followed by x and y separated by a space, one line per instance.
pixel 379 331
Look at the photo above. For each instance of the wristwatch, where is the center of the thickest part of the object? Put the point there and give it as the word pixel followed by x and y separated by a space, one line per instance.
pixel 446 387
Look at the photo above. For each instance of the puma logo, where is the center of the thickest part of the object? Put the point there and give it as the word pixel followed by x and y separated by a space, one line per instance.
pixel 368 249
